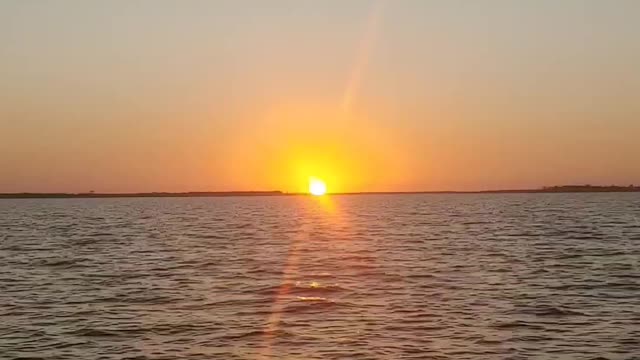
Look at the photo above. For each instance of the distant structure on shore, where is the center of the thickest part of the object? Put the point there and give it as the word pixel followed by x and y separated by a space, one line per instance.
pixel 546 189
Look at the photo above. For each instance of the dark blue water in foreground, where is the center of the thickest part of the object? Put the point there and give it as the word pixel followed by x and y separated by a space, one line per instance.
pixel 516 276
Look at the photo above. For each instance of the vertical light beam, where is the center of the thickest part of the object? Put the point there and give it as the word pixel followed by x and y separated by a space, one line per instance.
pixel 363 53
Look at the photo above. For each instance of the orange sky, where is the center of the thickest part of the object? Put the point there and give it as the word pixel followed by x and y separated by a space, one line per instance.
pixel 367 95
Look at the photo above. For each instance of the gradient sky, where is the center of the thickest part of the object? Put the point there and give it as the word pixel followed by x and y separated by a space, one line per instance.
pixel 119 96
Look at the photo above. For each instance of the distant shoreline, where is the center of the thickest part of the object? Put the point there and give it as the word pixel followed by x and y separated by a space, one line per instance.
pixel 545 190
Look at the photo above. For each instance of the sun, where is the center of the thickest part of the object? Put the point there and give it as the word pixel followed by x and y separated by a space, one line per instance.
pixel 317 187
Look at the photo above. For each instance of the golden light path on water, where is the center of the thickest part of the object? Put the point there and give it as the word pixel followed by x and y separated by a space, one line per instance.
pixel 318 188
pixel 329 209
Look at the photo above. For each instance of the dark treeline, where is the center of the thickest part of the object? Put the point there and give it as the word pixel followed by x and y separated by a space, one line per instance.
pixel 590 188
pixel 151 194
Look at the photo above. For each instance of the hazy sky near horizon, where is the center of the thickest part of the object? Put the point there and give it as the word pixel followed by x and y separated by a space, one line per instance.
pixel 368 95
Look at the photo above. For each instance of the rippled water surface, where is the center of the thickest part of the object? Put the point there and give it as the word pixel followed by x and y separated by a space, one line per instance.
pixel 514 276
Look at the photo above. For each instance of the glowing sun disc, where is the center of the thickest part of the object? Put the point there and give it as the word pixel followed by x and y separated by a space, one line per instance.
pixel 317 187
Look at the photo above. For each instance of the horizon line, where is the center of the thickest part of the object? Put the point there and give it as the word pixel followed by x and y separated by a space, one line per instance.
pixel 240 193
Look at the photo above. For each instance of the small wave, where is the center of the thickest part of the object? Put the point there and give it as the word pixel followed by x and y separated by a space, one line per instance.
pixel 302 288
pixel 413 326
pixel 421 276
pixel 260 271
pixel 254 313
pixel 258 333
pixel 311 298
pixel 100 234
pixel 532 338
pixel 488 342
pixel 319 287
pixel 208 236
pixel 160 329
pixel 155 300
pixel 540 271
pixel 358 258
pixel 628 276
pixel 311 304
pixel 362 266
pixel 551 311
pixel 629 342
pixel 569 256
pixel 65 344
pixel 65 263
pixel 622 285
pixel 572 287
pixel 12 247
pixel 95 333
pixel 229 302
pixel 323 275
pixel 606 286
pixel 516 324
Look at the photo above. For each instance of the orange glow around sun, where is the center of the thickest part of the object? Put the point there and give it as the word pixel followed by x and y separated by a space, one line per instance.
pixel 296 142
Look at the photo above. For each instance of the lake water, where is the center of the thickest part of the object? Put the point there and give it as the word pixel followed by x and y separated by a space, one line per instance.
pixel 513 276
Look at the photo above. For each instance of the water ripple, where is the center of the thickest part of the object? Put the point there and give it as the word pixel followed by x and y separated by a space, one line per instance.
pixel 545 276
